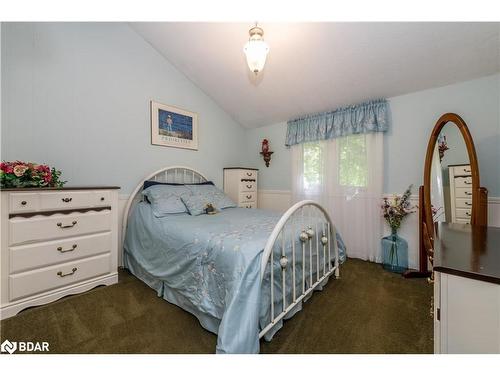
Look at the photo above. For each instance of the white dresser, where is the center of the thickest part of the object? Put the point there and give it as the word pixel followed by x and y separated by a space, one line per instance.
pixel 466 289
pixel 460 193
pixel 56 242
pixel 240 184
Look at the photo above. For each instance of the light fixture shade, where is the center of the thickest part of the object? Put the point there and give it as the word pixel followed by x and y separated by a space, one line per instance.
pixel 256 50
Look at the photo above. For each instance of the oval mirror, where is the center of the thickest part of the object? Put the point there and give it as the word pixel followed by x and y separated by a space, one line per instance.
pixel 451 176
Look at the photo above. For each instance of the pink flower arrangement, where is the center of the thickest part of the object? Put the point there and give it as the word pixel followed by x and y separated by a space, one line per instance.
pixel 19 174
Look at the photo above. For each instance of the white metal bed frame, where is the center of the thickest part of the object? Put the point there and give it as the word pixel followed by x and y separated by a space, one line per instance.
pixel 311 237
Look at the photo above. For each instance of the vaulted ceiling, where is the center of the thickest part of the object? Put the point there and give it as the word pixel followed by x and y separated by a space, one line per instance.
pixel 314 67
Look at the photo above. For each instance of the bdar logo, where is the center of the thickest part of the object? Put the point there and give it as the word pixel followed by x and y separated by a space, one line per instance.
pixel 9 347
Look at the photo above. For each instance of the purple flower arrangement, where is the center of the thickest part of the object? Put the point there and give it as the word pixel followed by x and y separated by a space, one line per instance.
pixel 397 208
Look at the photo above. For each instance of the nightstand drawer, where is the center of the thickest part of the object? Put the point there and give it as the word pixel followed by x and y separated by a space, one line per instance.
pixel 248 174
pixel 248 205
pixel 42 254
pixel 462 170
pixel 463 182
pixel 463 202
pixel 40 228
pixel 463 192
pixel 248 185
pixel 463 213
pixel 248 197
pixel 43 279
pixel 24 202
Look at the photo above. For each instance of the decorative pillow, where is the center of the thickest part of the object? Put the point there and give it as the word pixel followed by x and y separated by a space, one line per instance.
pixel 166 199
pixel 213 195
pixel 149 183
pixel 197 204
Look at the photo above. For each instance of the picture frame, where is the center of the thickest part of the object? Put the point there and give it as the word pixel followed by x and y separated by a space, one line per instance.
pixel 173 127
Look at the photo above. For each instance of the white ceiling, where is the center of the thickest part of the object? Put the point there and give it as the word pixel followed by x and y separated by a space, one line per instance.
pixel 313 67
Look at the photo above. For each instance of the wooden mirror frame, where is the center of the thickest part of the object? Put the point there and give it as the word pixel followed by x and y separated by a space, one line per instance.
pixel 479 214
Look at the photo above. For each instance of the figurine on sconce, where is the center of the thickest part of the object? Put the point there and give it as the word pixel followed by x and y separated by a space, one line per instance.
pixel 266 152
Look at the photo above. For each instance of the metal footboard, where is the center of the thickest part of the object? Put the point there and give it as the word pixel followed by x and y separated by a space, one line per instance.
pixel 308 226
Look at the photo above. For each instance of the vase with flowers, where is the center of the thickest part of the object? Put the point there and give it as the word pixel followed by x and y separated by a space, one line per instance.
pixel 19 174
pixel 394 247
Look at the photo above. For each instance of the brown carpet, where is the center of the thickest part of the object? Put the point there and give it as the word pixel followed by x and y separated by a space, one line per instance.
pixel 368 310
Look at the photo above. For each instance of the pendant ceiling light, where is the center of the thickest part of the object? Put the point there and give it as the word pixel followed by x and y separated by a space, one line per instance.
pixel 256 49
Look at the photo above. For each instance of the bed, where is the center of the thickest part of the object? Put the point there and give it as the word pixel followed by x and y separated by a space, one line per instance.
pixel 218 267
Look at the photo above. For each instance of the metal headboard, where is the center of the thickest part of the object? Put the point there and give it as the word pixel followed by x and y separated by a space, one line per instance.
pixel 176 174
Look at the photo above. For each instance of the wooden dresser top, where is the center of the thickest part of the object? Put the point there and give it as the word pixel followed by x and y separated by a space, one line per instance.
pixel 470 251
pixel 63 188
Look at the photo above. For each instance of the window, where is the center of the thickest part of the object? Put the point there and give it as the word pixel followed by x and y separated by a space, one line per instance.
pixel 350 160
pixel 312 166
pixel 353 166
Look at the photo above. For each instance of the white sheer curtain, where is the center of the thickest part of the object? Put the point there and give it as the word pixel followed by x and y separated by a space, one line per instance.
pixel 345 175
pixel 437 189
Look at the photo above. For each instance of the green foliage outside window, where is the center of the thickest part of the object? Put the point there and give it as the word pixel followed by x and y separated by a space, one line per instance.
pixel 312 165
pixel 352 162
pixel 353 166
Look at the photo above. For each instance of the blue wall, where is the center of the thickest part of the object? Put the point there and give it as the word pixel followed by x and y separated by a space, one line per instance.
pixel 413 117
pixel 76 96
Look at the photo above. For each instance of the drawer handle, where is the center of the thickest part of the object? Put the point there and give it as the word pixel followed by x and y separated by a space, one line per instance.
pixel 467 213
pixel 102 199
pixel 249 196
pixel 467 193
pixel 67 274
pixel 468 204
pixel 249 174
pixel 65 251
pixel 467 182
pixel 248 206
pixel 249 186
pixel 466 170
pixel 60 225
pixel 66 200
pixel 23 203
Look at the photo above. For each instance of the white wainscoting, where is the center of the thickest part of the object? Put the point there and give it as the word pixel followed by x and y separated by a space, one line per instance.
pixel 280 200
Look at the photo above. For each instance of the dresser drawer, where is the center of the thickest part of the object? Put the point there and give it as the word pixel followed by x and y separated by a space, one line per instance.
pixel 248 175
pixel 42 254
pixel 462 182
pixel 73 199
pixel 248 185
pixel 463 192
pixel 463 202
pixel 463 213
pixel 248 197
pixel 102 198
pixel 43 279
pixel 462 170
pixel 39 228
pixel 248 205
pixel 24 202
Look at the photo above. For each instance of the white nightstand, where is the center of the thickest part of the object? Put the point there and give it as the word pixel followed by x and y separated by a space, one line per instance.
pixel 240 184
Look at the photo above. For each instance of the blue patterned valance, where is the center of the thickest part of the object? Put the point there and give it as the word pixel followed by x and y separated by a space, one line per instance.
pixel 362 118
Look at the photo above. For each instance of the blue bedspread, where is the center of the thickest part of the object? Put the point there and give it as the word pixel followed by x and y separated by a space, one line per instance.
pixel 210 265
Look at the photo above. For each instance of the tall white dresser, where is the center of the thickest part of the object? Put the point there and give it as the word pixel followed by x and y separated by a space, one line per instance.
pixel 240 184
pixel 460 193
pixel 56 242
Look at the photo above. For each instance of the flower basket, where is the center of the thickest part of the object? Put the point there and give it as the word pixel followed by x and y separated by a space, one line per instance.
pixel 19 174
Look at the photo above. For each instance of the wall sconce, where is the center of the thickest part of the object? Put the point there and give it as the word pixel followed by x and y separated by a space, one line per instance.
pixel 266 152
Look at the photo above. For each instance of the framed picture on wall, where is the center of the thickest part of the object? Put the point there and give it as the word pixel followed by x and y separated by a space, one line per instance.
pixel 173 127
